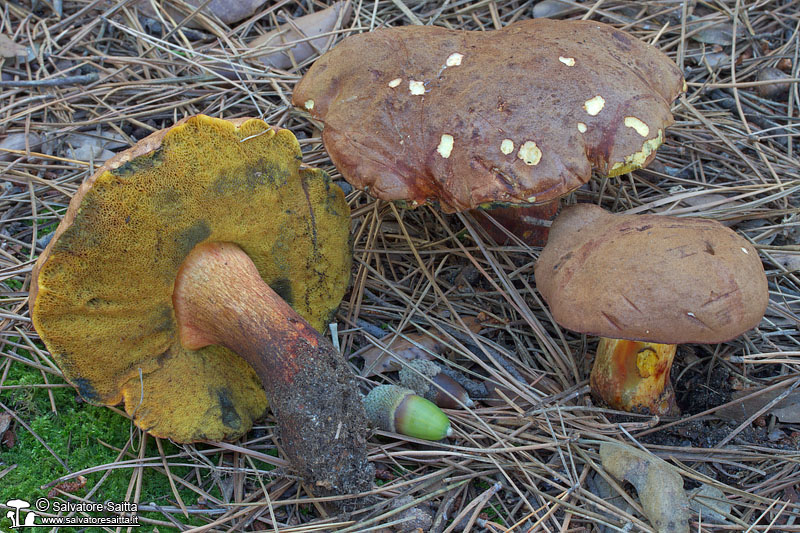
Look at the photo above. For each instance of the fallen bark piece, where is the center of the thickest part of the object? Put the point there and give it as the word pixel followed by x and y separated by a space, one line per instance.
pixel 658 484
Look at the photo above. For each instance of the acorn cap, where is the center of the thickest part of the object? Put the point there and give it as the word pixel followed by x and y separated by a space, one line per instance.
pixel 101 294
pixel 470 119
pixel 650 278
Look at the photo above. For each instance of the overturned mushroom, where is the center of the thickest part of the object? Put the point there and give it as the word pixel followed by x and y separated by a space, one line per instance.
pixel 193 272
pixel 646 283
pixel 512 117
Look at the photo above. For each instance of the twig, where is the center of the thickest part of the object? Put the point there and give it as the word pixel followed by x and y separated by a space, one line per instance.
pixel 64 81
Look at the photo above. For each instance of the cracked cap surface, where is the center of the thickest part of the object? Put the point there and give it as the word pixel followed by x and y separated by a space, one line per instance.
pixel 101 296
pixel 650 278
pixel 526 111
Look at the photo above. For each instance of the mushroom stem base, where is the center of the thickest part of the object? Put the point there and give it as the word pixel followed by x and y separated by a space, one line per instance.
pixel 633 376
pixel 221 299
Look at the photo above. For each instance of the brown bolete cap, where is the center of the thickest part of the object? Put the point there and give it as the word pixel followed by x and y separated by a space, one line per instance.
pixel 650 278
pixel 101 294
pixel 470 118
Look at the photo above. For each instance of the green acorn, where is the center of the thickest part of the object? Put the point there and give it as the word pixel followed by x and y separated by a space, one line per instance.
pixel 427 379
pixel 397 409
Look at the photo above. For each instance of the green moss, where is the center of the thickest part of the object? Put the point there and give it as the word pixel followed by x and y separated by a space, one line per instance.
pixel 13 284
pixel 76 434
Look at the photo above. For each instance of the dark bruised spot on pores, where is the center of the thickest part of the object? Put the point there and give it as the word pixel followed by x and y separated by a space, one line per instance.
pixel 166 320
pixel 167 203
pixel 249 178
pixel 283 288
pixel 139 164
pixel 230 417
pixel 86 390
pixel 188 238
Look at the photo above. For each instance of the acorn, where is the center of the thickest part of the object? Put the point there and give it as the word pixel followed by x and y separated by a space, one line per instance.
pixel 418 374
pixel 397 409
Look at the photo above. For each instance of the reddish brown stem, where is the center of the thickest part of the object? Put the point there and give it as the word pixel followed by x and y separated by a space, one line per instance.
pixel 530 223
pixel 220 299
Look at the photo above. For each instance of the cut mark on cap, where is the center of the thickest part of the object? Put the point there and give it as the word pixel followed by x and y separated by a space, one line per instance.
pixel 594 105
pixel 507 146
pixel 568 61
pixel 445 147
pixel 309 104
pixel 395 82
pixel 530 153
pixel 531 199
pixel 582 127
pixel 454 59
pixel 745 250
pixel 416 87
pixel 640 127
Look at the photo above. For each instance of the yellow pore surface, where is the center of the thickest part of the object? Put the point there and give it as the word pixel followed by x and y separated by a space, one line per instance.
pixel 104 302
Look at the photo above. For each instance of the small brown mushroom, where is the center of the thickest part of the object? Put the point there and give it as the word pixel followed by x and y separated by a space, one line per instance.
pixel 512 117
pixel 646 283
pixel 192 273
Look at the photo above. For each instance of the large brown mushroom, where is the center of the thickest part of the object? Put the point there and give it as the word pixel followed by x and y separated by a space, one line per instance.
pixel 645 283
pixel 191 274
pixel 511 117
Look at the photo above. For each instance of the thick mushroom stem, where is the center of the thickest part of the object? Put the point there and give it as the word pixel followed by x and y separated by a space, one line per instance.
pixel 220 298
pixel 531 223
pixel 633 376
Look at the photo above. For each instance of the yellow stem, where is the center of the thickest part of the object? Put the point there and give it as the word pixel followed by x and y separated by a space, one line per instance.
pixel 633 376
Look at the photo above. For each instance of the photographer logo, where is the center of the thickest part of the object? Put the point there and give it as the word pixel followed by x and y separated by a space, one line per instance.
pixel 75 514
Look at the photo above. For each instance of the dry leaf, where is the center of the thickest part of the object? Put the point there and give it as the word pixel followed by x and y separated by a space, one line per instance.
pixel 710 504
pixel 787 410
pixel 378 360
pixel 553 9
pixel 790 262
pixel 658 484
pixel 5 422
pixel 418 346
pixel 9 49
pixel 228 11
pixel 714 33
pixel 714 60
pixel 318 23
pixel 18 141
pixel 772 90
